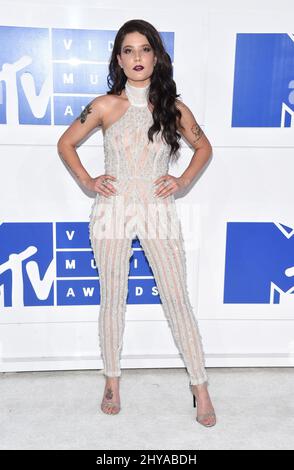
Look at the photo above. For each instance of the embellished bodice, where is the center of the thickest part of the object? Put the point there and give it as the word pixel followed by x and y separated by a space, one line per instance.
pixel 136 163
pixel 127 153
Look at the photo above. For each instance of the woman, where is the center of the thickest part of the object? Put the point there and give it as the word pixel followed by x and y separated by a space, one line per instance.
pixel 142 122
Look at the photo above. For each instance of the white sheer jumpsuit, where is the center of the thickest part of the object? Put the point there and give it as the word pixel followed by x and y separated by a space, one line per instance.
pixel 134 211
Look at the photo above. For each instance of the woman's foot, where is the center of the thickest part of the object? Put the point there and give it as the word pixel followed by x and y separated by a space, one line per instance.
pixel 111 400
pixel 205 410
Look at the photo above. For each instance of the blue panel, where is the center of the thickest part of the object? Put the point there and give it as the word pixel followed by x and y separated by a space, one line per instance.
pixel 257 254
pixel 264 65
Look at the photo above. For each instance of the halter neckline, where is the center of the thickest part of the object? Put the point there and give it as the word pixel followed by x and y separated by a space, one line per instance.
pixel 138 96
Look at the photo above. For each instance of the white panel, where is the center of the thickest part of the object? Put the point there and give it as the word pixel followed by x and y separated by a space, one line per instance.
pixel 223 27
pixel 146 344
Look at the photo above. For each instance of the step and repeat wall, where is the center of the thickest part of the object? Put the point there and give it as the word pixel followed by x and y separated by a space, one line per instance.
pixel 234 68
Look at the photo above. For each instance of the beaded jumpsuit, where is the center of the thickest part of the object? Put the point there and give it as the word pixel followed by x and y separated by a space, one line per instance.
pixel 135 211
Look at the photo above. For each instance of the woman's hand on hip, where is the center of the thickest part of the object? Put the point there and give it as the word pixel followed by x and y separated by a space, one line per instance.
pixel 100 185
pixel 169 184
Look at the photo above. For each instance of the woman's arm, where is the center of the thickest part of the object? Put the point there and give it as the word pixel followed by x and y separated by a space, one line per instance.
pixel 90 118
pixel 195 136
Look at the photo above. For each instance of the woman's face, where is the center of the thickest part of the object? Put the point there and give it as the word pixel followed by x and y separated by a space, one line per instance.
pixel 136 50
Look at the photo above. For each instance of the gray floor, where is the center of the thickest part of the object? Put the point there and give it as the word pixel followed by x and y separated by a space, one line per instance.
pixel 61 410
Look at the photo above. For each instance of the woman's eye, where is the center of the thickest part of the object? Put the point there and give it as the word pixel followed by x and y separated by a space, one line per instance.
pixel 148 49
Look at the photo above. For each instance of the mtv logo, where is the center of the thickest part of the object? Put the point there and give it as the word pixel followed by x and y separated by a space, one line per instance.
pixel 27 267
pixel 259 265
pixel 53 264
pixel 25 88
pixel 54 73
pixel 263 80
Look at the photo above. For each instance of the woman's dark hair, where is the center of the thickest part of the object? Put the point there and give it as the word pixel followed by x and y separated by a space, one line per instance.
pixel 162 92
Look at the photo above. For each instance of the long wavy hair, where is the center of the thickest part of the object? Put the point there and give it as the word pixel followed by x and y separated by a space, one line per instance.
pixel 163 90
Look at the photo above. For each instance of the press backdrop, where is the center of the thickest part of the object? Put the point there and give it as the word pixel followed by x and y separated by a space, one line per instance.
pixel 234 67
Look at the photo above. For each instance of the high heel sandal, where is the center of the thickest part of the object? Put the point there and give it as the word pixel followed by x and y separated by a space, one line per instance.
pixel 107 405
pixel 110 404
pixel 201 417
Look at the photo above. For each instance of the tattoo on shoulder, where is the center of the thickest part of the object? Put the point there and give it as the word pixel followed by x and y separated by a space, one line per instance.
pixel 197 131
pixel 87 110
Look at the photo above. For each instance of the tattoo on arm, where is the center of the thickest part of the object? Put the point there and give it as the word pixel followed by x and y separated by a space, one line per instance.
pixel 84 113
pixel 197 131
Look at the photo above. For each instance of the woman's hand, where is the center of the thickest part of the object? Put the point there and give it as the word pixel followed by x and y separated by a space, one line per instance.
pixel 169 185
pixel 100 185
